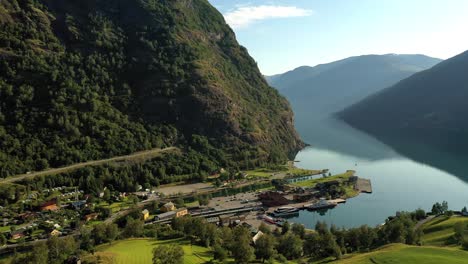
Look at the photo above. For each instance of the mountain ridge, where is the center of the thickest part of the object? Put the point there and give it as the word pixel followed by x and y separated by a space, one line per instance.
pixel 99 79
pixel 430 105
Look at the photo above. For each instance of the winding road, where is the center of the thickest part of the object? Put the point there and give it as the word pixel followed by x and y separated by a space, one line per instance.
pixel 138 155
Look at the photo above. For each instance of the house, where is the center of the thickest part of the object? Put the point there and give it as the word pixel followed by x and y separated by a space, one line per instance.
pixel 90 217
pixel 55 232
pixel 272 199
pixel 257 236
pixel 181 212
pixel 50 206
pixel 167 207
pixel 17 235
pixel 145 214
pixel 78 205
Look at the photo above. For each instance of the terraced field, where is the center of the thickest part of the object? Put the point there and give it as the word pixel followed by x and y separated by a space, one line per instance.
pixel 399 253
pixel 439 231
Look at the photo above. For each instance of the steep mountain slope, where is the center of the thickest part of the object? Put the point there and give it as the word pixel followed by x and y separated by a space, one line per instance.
pixel 88 79
pixel 331 87
pixel 428 108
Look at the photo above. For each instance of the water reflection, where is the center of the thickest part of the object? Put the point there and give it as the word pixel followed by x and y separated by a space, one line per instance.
pixel 417 178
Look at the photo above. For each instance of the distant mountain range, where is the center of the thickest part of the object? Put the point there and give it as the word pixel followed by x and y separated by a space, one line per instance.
pixel 331 87
pixel 316 93
pixel 428 109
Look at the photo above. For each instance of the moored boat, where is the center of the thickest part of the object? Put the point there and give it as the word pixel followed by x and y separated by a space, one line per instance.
pixel 321 204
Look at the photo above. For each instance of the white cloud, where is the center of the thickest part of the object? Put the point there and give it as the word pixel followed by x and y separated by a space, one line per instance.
pixel 246 15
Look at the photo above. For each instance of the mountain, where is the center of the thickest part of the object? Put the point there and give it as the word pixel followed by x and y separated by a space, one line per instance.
pixel 316 93
pixel 89 79
pixel 328 88
pixel 427 109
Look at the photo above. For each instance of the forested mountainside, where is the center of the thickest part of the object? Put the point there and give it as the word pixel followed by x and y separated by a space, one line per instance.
pixel 83 80
pixel 428 108
pixel 329 88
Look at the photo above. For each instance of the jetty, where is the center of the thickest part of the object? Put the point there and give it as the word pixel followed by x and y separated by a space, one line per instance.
pixel 363 185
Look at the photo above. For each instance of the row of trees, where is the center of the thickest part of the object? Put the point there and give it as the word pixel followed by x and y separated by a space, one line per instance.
pixel 288 243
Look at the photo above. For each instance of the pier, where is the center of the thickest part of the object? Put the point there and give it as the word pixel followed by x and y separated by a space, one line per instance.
pixel 363 185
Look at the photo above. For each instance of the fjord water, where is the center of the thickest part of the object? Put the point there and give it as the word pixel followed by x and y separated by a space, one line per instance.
pixel 399 183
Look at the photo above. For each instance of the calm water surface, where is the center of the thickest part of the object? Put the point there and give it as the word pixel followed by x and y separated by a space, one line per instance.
pixel 398 183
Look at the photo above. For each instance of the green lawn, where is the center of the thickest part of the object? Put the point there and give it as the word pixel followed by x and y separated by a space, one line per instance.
pixel 438 231
pixel 286 170
pixel 343 176
pixel 139 251
pixel 404 254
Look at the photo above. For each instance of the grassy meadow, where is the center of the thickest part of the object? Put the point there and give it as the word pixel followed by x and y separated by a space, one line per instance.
pixel 139 251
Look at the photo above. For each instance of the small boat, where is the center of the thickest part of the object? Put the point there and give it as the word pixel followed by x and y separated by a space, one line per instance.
pixel 322 204
pixel 285 211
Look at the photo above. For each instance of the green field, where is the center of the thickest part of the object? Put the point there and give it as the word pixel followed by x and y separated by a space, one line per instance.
pixel 139 251
pixel 283 170
pixel 439 231
pixel 404 254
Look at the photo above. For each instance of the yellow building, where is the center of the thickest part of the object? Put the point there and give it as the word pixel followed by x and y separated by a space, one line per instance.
pixel 168 207
pixel 55 232
pixel 181 212
pixel 145 214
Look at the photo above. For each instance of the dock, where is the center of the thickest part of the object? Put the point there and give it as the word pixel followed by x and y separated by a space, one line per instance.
pixel 363 185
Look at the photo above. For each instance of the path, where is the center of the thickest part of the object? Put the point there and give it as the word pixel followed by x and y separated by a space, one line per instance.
pixel 141 154
pixel 422 222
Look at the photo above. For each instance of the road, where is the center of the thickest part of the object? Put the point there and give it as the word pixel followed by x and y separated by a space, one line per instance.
pixel 137 155
pixel 422 222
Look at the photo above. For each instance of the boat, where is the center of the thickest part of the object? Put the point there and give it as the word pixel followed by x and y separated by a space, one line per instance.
pixel 285 211
pixel 321 204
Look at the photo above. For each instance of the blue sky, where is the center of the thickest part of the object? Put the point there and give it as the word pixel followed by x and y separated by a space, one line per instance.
pixel 284 34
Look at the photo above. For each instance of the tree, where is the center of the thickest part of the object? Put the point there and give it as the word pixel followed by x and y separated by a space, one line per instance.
pixel 40 254
pixel 264 228
pixel 265 247
pixel 298 230
pixel 285 228
pixel 241 249
pixel 290 246
pixel 168 254
pixel 133 228
pixel 60 249
pixel 107 196
pixel 436 209
pixel 419 214
pixel 3 239
pixel 464 210
pixel 112 231
pixel 219 253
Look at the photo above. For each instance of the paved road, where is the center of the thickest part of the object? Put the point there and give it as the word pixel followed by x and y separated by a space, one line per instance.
pixel 141 154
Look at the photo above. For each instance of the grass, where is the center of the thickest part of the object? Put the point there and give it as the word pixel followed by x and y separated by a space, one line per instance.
pixel 139 251
pixel 286 170
pixel 116 206
pixel 312 182
pixel 399 253
pixel 439 231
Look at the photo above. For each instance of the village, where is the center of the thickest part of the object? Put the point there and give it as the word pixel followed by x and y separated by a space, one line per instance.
pixel 251 199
